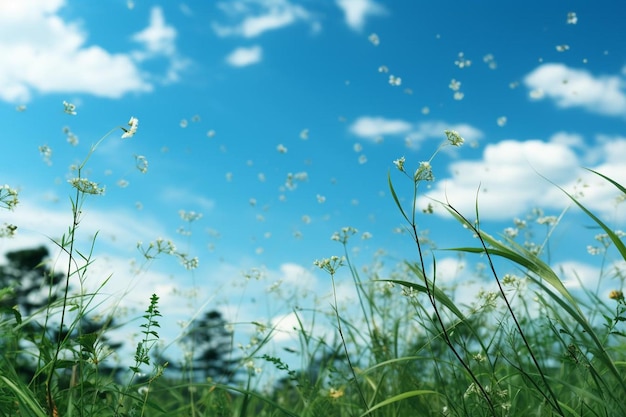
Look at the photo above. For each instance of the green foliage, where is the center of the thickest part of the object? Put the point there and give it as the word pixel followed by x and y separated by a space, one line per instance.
pixel 527 345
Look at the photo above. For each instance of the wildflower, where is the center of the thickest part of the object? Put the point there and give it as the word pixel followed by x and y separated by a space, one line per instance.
pixel 424 172
pixel 454 85
pixel 572 19
pixel 130 132
pixel 461 62
pixel 8 197
pixel 141 163
pixel 616 295
pixel 454 137
pixel 395 81
pixel 69 108
pixel 189 216
pixel 399 163
pixel 490 61
pixel 331 264
pixel 511 232
pixel 335 393
pixel 85 186
pixel 8 230
pixel 46 153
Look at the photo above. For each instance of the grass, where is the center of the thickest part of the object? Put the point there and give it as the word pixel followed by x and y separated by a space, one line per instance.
pixel 526 346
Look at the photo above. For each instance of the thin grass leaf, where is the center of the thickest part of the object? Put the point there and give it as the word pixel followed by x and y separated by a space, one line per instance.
pixel 26 397
pixel 395 197
pixel 400 397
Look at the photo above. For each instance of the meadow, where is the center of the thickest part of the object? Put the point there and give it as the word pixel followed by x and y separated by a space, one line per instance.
pixel 525 345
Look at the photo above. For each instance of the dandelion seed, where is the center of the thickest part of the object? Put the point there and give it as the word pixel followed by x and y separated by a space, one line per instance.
pixel 229 176
pixel 259 250
pixel 366 236
pixel 304 134
pixel 281 148
pixel 374 39
pixel 69 108
pixel 511 232
pixel 20 108
pixel 130 132
pixel 122 183
pixel 562 48
pixel 195 118
pixel 399 163
pixel 501 121
pixel 572 19
pixel 320 198
pixel 536 94
pixel 210 133
pixel 425 110
pixel 184 123
pixel 362 159
pixel 458 96
pixel 306 219
pixel 395 81
pixel 357 147
pixel 513 85
pixel 383 69
pixel 261 177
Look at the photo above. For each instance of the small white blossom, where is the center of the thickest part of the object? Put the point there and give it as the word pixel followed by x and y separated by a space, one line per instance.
pixel 395 81
pixel 572 19
pixel 69 108
pixel 130 132
pixel 399 163
pixel 374 39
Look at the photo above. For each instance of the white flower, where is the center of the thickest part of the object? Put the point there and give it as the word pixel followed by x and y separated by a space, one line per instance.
pixel 130 132
pixel 399 163
pixel 69 108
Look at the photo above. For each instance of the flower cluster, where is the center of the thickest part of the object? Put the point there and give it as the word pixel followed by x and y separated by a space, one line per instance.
pixel 454 137
pixel 330 265
pixel 85 186
pixel 8 197
pixel 130 132
pixel 344 235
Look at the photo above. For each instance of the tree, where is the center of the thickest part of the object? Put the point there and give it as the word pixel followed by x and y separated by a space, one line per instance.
pixel 209 344
pixel 30 281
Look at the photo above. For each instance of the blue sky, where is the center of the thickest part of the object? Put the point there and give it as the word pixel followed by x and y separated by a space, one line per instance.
pixel 279 121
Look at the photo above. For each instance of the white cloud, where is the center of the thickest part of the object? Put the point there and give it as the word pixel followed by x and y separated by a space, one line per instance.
pixel 275 14
pixel 372 128
pixel 242 57
pixel 570 87
pixel 509 176
pixel 40 52
pixel 158 37
pixel 356 11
